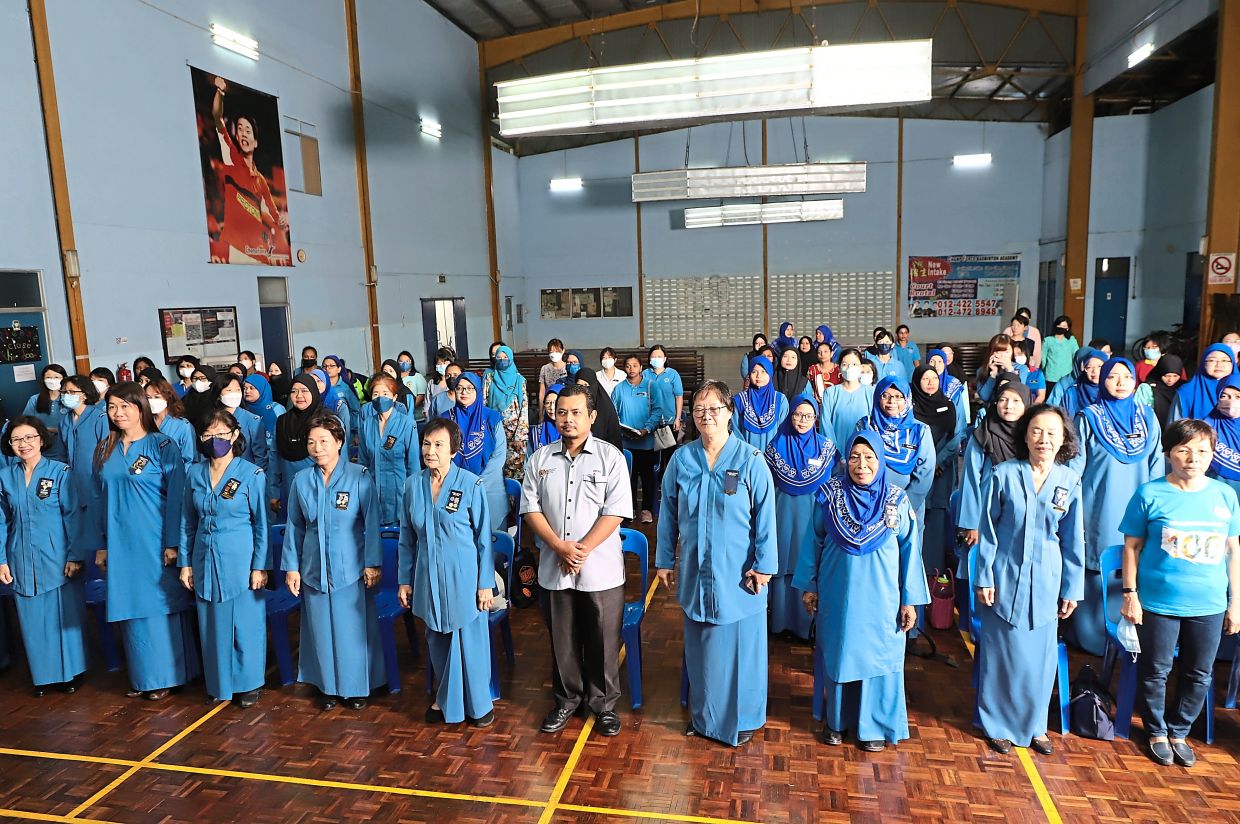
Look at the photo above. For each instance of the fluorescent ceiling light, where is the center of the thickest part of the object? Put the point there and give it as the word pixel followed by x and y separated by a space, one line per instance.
pixel 972 161
pixel 1143 51
pixel 231 40
pixel 742 214
pixel 430 128
pixel 750 181
pixel 566 184
pixel 814 78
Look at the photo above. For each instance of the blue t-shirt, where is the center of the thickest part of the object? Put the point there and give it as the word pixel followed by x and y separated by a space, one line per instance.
pixel 908 355
pixel 1183 568
pixel 1035 380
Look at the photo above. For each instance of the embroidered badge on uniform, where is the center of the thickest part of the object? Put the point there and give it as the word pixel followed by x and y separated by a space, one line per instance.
pixel 45 488
pixel 1059 499
pixel 139 465
pixel 542 473
pixel 342 500
pixel 230 489
pixel 731 481
pixel 390 442
pixel 891 516
pixel 454 500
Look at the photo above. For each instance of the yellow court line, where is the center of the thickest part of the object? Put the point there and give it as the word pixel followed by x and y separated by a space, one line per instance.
pixel 695 819
pixel 28 816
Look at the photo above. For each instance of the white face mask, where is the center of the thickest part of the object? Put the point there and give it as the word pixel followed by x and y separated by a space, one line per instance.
pixel 1127 633
pixel 101 387
pixel 202 386
pixel 852 373
pixel 867 379
pixel 1021 359
pixel 185 371
pixel 657 363
pixel 71 401
pixel 556 357
pixel 608 363
pixel 52 384
pixel 158 405
pixel 230 399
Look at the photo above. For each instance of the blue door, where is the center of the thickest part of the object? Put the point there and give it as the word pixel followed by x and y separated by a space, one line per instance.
pixel 1111 302
pixel 275 336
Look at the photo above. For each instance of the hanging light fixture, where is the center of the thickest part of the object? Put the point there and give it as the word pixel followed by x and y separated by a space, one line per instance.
pixel 750 181
pixel 814 78
pixel 743 214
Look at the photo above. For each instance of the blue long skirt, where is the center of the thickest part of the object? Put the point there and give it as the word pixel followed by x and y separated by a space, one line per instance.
pixel 462 660
pixel 1015 677
pixel 1086 628
pixel 161 651
pixel 787 609
pixel 874 708
pixel 727 666
pixel 234 643
pixel 340 650
pixel 52 632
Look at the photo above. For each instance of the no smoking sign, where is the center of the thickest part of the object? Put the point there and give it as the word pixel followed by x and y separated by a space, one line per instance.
pixel 1222 269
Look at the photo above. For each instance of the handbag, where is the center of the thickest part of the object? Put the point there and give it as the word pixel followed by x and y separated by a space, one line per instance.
pixel 525 589
pixel 942 599
pixel 664 437
pixel 1089 712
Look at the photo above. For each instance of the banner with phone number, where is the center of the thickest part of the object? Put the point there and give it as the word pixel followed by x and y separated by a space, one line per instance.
pixel 960 285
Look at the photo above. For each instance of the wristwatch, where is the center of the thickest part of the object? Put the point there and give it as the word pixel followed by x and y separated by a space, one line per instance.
pixel 1129 590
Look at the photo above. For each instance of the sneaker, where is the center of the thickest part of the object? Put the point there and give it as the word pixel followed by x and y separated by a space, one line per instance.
pixel 647 517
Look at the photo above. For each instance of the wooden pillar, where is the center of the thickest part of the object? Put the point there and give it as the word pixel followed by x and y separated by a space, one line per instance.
pixel 1080 169
pixel 641 264
pixel 1223 215
pixel 488 183
pixel 60 185
pixel 363 182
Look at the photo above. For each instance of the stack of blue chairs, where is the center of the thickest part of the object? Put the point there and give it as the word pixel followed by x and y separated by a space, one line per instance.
pixel 280 605
pixel 97 603
pixel 389 609
pixel 635 543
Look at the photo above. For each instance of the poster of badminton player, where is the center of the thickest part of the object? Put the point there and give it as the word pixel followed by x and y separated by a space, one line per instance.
pixel 242 172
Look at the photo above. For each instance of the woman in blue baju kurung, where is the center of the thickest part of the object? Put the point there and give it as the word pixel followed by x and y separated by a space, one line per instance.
pixel 847 403
pixel 787 338
pixel 759 343
pixel 447 575
pixel 332 558
pixel 1029 573
pixel 1197 397
pixel 953 387
pixel 1121 448
pixel 1080 389
pixel 801 459
pixel 231 394
pixel 258 399
pixel 41 559
pixel 1225 419
pixel 863 580
pixel 169 414
pixel 718 506
pixel 908 445
pixel 224 561
pixel 84 425
pixel 483 444
pixel 339 397
pixel 137 533
pixel 292 429
pixel 545 432
pixel 387 445
pixel 760 407
pixel 48 406
pixel 932 407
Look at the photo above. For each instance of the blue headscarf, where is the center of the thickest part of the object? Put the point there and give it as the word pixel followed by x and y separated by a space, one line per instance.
pixel 829 338
pixel 901 435
pixel 1199 396
pixel 505 383
pixel 859 518
pixel 800 462
pixel 1120 423
pixel 265 406
pixel 1086 393
pixel 546 432
pixel 784 341
pixel 335 393
pixel 758 404
pixel 952 386
pixel 581 363
pixel 477 424
pixel 1226 463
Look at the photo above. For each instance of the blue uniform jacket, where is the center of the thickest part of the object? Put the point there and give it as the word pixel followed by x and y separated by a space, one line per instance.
pixel 39 523
pixel 333 528
pixel 391 455
pixel 225 534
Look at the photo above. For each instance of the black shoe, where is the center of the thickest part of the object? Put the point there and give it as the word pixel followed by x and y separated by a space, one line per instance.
pixel 485 721
pixel 135 694
pixel 872 746
pixel 1041 745
pixel 39 691
pixel 608 723
pixel 744 737
pixel 246 700
pixel 355 703
pixel 1183 754
pixel 831 737
pixel 556 720
pixel 1160 751
pixel 691 731
pixel 328 702
pixel 158 695
pixel 434 715
pixel 68 687
pixel 1000 745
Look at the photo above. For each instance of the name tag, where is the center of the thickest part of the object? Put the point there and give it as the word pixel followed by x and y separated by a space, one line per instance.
pixel 731 481
pixel 454 501
pixel 1059 499
pixel 230 489
pixel 390 442
pixel 1134 436
pixel 342 500
pixel 45 488
pixel 139 465
pixel 891 516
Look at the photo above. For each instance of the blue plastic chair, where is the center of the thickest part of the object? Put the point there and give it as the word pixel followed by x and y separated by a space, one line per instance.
pixel 6 657
pixel 1062 674
pixel 628 459
pixel 1111 565
pixel 388 609
pixel 635 543
pixel 97 603
pixel 963 610
pixel 504 549
pixel 512 488
pixel 1233 682
pixel 280 605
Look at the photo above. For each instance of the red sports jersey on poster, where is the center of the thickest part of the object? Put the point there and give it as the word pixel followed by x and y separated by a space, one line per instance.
pixel 249 211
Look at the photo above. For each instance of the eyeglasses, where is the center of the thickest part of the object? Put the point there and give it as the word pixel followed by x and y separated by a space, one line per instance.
pixel 703 412
pixel 24 440
pixel 206 436
pixel 73 392
pixel 804 416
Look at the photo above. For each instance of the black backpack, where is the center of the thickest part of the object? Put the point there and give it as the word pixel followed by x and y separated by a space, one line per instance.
pixel 1091 706
pixel 524 590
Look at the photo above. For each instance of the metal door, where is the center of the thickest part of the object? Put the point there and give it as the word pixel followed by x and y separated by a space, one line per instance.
pixel 1111 302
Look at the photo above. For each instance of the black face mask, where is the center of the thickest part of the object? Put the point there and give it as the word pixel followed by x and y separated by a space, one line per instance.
pixel 1061 331
pixel 453 381
pixel 308 363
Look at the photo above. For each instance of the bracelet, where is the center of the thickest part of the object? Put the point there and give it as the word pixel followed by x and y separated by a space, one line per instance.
pixel 1129 590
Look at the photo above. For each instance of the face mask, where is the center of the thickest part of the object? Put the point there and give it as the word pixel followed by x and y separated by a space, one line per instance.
pixel 883 348
pixel 202 386
pixel 383 404
pixel 230 399
pixel 556 357
pixel 1021 359
pixel 441 368
pixel 71 401
pixel 453 382
pixel 52 384
pixel 215 447
pixel 501 364
pixel 657 363
pixel 1062 331
pixel 1127 633
pixel 1151 354
pixel 248 366
pixel 866 379
pixel 405 366
pixel 852 373
pixel 101 387
pixel 607 363
pixel 573 369
pixel 1235 348
pixel 185 371
pixel 158 405
pixel 308 363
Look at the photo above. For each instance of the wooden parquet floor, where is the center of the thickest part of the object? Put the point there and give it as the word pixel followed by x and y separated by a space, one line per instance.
pixel 97 755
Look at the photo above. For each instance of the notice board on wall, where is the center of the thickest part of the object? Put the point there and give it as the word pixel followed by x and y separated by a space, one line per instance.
pixel 20 344
pixel 961 285
pixel 586 302
pixel 209 333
